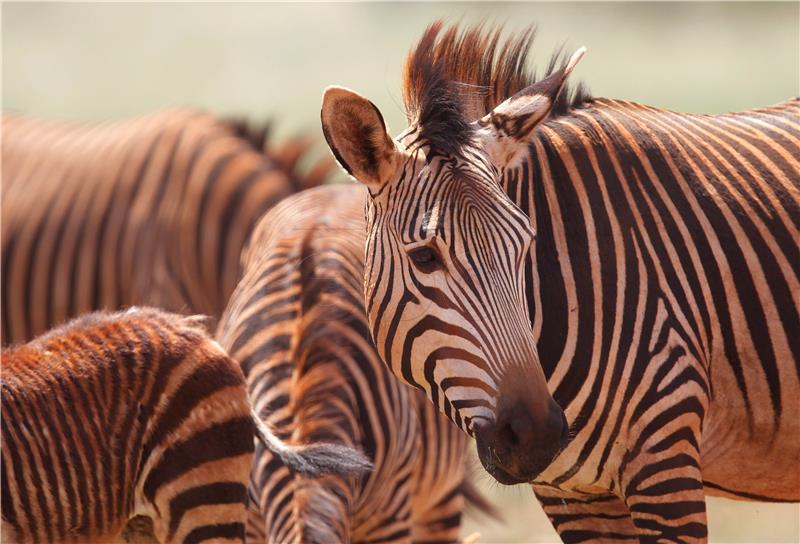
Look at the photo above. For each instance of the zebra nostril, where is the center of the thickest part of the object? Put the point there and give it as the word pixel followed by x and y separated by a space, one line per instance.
pixel 507 436
pixel 513 437
pixel 516 431
pixel 520 428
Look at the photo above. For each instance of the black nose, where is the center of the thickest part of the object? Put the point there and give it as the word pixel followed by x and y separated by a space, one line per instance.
pixel 522 441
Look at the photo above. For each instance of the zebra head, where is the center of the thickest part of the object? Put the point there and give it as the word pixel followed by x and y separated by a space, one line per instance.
pixel 446 253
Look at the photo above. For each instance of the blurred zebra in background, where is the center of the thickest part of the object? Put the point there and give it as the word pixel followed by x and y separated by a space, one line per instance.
pixel 640 267
pixel 181 192
pixel 153 210
pixel 124 417
pixel 297 324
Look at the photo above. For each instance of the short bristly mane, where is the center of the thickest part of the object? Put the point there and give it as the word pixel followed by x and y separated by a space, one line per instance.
pixel 453 77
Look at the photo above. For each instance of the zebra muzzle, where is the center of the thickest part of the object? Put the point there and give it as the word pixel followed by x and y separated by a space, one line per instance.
pixel 521 443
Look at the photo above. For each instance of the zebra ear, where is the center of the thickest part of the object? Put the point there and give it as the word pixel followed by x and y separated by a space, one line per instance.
pixel 513 119
pixel 357 136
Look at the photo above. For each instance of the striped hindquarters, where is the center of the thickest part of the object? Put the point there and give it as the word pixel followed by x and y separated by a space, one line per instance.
pixel 297 324
pixel 138 415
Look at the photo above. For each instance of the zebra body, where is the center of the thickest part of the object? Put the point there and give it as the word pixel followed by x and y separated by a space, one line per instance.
pixel 118 417
pixel 297 324
pixel 658 272
pixel 153 210
pixel 689 306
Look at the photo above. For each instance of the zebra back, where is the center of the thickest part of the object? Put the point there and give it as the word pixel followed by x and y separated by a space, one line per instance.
pixel 296 322
pixel 153 210
pixel 128 416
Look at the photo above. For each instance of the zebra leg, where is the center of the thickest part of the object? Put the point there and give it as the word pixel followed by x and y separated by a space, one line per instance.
pixel 660 475
pixel 256 532
pixel 440 486
pixel 664 492
pixel 286 507
pixel 579 517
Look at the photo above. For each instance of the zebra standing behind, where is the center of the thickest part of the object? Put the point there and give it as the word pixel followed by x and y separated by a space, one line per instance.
pixel 529 251
pixel 297 324
pixel 153 210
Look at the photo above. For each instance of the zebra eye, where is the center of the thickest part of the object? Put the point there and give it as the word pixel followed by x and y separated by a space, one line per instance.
pixel 425 258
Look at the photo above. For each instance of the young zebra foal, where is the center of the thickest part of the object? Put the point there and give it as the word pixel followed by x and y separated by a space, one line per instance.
pixel 124 416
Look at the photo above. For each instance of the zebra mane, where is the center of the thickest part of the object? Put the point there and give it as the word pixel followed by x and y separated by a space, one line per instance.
pixel 254 133
pixel 453 77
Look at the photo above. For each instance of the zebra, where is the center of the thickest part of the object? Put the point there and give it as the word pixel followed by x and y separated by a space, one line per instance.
pixel 604 294
pixel 297 324
pixel 143 428
pixel 153 210
pixel 124 416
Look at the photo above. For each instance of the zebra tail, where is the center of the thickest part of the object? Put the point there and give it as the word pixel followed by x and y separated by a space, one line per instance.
pixel 474 499
pixel 314 459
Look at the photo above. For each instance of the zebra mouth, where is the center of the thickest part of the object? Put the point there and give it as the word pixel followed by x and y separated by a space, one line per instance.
pixel 488 458
pixel 519 444
pixel 504 477
pixel 510 464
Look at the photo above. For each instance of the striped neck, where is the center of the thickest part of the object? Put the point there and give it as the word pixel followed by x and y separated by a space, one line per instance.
pixel 626 199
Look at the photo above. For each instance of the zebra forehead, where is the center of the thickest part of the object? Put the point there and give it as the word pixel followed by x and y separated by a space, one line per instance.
pixel 430 220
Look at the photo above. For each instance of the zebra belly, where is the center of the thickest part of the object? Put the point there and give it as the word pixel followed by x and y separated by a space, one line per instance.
pixel 735 465
pixel 749 450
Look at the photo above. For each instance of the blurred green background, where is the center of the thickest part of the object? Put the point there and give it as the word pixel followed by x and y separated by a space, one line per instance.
pixel 111 60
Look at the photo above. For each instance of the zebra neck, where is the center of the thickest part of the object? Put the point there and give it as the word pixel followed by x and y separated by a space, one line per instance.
pixel 641 215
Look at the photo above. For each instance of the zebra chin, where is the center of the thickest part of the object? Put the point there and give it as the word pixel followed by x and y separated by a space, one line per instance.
pixel 520 444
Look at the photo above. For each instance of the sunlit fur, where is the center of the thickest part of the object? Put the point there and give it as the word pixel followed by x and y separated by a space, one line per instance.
pixel 297 324
pixel 120 416
pixel 662 287
pixel 665 325
pixel 152 210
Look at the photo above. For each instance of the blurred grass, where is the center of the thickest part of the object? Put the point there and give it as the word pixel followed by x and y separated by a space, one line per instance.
pixel 110 60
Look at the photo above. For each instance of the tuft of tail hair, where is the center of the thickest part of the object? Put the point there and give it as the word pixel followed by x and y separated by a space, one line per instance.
pixel 474 499
pixel 314 459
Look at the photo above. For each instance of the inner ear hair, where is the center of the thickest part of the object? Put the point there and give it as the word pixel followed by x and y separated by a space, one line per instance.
pixel 356 133
pixel 518 115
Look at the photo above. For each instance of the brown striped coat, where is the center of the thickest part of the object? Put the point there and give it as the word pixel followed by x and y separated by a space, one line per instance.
pixel 605 294
pixel 151 210
pixel 118 417
pixel 297 324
